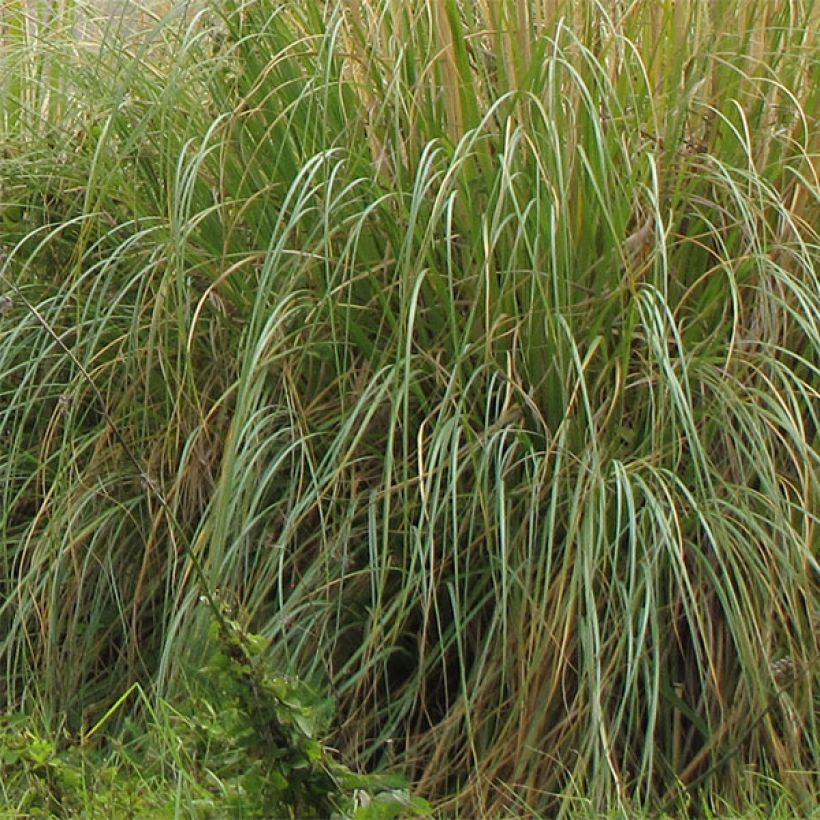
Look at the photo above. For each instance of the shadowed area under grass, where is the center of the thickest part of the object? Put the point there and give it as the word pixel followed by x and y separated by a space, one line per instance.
pixel 469 350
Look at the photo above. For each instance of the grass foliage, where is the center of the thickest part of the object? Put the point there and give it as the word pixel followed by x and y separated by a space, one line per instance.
pixel 470 349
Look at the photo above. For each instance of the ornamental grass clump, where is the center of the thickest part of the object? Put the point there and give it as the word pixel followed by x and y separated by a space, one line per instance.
pixel 471 347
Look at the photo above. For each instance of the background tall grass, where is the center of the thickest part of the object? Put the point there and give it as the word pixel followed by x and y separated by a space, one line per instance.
pixel 470 349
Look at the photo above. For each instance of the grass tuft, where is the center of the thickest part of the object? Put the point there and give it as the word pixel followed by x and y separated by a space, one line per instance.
pixel 470 348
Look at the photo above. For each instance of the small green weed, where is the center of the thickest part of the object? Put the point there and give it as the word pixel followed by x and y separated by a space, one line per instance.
pixel 247 742
pixel 261 732
pixel 45 774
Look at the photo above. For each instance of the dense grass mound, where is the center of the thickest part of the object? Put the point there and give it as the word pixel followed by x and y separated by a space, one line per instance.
pixel 469 349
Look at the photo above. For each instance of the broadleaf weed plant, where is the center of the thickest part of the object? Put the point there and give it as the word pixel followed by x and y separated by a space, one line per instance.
pixel 470 346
